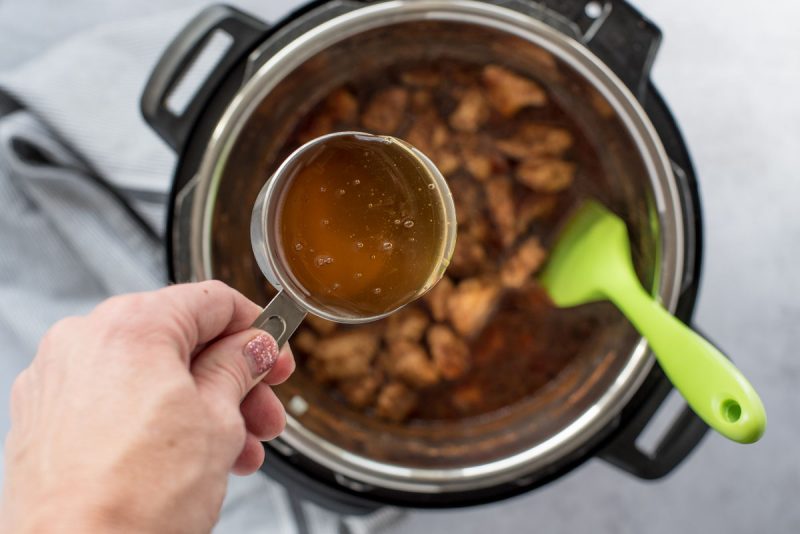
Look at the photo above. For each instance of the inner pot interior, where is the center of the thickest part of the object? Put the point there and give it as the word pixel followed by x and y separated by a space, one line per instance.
pixel 619 179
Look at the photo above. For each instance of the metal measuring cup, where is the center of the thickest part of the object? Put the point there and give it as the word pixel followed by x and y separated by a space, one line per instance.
pixel 288 308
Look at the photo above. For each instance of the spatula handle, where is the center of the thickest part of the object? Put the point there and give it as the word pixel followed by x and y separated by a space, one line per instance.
pixel 710 383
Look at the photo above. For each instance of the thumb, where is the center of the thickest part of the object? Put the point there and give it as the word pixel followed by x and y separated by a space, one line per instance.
pixel 233 365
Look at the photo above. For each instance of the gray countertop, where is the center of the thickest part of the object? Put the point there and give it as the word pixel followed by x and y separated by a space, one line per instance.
pixel 731 75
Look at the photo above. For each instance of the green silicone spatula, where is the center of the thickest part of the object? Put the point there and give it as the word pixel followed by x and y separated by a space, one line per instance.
pixel 591 261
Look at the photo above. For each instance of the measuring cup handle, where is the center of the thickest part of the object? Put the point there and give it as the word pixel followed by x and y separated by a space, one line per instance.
pixel 280 318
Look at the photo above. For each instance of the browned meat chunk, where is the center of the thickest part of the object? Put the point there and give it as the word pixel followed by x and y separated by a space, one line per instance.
pixel 472 111
pixel 320 125
pixel 446 161
pixel 437 299
pixel 342 106
pixel 422 102
pixel 395 402
pixel 467 397
pixel 422 77
pixel 480 158
pixel 471 304
pixel 500 198
pixel 450 353
pixel 305 340
pixel 408 324
pixel 322 326
pixel 532 207
pixel 533 139
pixel 469 257
pixel 508 92
pixel 467 199
pixel 429 134
pixel 345 355
pixel 385 111
pixel 546 175
pixel 361 392
pixel 525 261
pixel 410 363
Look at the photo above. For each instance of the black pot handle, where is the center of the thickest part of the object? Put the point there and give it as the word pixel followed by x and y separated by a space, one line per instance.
pixel 683 435
pixel 245 31
pixel 617 33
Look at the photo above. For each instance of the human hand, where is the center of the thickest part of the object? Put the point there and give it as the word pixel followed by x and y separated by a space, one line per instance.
pixel 129 419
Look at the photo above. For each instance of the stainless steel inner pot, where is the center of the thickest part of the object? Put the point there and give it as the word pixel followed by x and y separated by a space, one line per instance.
pixel 301 67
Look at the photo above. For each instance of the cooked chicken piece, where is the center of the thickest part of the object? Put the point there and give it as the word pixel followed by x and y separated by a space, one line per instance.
pixel 345 355
pixel 467 199
pixel 450 353
pixel 361 391
pixel 422 102
pixel 304 340
pixel 500 198
pixel 600 104
pixel 480 157
pixel 532 207
pixel 472 111
pixel 430 135
pixel 437 297
pixel 385 111
pixel 546 175
pixel 471 304
pixel 395 402
pixel 410 363
pixel 320 125
pixel 422 77
pixel 508 92
pixel 408 324
pixel 467 397
pixel 469 257
pixel 534 139
pixel 527 259
pixel 342 105
pixel 322 326
pixel 427 133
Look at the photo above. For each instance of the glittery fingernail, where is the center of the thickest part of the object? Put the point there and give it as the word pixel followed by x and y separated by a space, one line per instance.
pixel 261 353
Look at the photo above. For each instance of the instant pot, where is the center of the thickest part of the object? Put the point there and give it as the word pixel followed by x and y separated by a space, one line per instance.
pixel 595 58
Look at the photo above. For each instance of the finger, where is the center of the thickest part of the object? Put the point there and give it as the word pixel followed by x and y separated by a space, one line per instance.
pixel 283 369
pixel 263 413
pixel 251 457
pixel 207 310
pixel 229 368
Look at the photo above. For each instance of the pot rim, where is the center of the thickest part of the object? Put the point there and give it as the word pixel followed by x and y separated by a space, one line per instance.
pixel 359 472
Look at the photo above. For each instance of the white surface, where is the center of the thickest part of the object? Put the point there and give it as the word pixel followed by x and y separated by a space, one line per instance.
pixel 731 74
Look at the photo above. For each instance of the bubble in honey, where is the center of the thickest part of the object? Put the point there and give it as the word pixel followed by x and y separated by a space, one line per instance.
pixel 369 205
pixel 377 291
pixel 336 286
pixel 373 257
pixel 409 224
pixel 359 244
pixel 326 222
pixel 323 189
pixel 387 245
pixel 357 275
pixel 397 221
pixel 431 186
pixel 341 192
pixel 321 260
pixel 356 181
pixel 298 246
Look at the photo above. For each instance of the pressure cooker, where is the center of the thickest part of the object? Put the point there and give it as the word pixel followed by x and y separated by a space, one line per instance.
pixel 229 130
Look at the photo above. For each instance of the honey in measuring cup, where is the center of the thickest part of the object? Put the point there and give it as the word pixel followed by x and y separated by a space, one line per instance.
pixel 363 225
